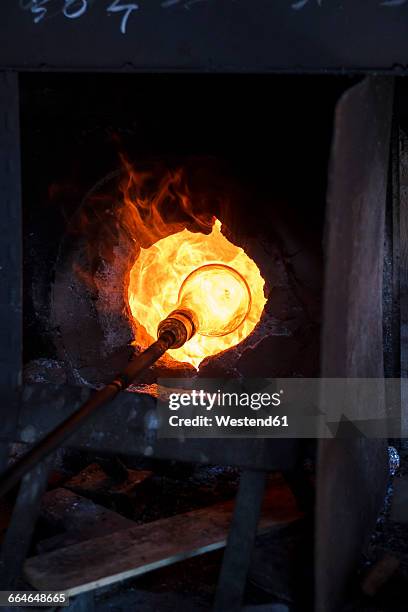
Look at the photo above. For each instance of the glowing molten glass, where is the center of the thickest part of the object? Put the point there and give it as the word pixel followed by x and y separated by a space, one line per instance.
pixel 219 296
pixel 225 301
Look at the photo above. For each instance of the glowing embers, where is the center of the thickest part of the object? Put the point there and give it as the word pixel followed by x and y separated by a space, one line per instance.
pixel 159 272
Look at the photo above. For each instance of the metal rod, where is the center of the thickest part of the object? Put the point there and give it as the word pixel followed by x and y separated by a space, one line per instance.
pixel 57 436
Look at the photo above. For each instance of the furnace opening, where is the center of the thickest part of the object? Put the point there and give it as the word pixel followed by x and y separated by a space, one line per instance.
pixel 160 270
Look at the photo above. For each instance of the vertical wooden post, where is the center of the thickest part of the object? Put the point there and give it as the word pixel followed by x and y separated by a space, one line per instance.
pixel 241 539
pixel 352 473
pixel 10 261
pixel 402 232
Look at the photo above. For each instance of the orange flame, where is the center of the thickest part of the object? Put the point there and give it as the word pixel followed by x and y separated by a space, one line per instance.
pixel 158 231
pixel 170 252
pixel 170 238
pixel 147 217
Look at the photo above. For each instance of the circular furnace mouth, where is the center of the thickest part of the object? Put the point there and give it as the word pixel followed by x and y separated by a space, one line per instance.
pixel 120 269
pixel 160 271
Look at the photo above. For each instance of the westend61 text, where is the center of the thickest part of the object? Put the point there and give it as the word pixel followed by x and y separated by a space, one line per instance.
pixel 227 421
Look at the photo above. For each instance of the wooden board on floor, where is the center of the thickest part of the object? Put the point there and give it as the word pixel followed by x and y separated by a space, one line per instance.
pixel 77 518
pixel 143 548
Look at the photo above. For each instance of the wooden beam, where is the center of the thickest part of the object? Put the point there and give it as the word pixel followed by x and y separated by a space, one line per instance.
pixel 143 548
pixel 241 539
pixel 403 276
pixel 352 474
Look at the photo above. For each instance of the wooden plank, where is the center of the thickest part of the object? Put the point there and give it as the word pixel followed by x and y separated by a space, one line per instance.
pixel 141 549
pixel 352 474
pixel 79 518
pixel 393 349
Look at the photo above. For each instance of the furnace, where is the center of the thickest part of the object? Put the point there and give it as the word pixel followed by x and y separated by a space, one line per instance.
pixel 196 191
pixel 107 258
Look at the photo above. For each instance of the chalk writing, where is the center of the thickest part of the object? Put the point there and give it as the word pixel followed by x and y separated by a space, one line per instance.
pixel 168 3
pixel 301 3
pixel 37 8
pixel 393 2
pixel 185 3
pixel 74 9
pixel 118 6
